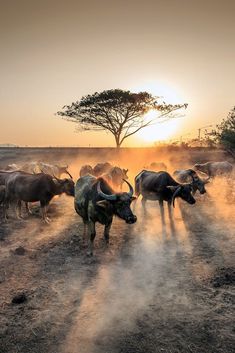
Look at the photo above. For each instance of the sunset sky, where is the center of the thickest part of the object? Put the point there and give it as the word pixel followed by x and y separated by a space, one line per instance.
pixel 53 52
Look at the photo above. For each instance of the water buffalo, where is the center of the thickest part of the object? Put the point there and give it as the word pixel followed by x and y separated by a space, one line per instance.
pixel 85 170
pixel 157 166
pixel 51 169
pixel 115 177
pixel 190 176
pixel 95 201
pixel 4 176
pixel 2 193
pixel 21 186
pixel 101 168
pixel 213 169
pixel 161 186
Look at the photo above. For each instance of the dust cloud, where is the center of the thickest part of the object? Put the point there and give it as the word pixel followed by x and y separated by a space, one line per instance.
pixel 148 287
pixel 153 267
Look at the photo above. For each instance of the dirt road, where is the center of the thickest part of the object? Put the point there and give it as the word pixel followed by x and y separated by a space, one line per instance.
pixel 154 290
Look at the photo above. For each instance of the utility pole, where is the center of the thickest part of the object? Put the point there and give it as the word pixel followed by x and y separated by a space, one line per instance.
pixel 200 129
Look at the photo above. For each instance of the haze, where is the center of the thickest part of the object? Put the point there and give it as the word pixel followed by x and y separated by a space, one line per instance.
pixel 54 52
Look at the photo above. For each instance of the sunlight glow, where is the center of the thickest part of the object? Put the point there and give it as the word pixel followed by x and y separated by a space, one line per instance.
pixel 162 130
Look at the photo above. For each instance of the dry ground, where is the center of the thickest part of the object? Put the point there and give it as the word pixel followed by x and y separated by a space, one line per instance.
pixel 154 290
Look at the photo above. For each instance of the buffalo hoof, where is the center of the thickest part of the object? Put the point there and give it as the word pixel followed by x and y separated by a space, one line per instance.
pixel 47 220
pixel 20 217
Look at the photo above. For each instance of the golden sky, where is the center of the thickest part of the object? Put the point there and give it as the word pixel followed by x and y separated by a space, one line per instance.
pixel 53 52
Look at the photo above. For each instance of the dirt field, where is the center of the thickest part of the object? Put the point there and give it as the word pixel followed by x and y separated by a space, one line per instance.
pixel 154 290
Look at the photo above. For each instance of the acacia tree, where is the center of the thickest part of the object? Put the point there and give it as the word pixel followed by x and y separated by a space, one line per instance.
pixel 225 132
pixel 120 112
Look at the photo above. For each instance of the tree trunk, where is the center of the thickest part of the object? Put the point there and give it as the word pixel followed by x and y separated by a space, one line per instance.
pixel 118 143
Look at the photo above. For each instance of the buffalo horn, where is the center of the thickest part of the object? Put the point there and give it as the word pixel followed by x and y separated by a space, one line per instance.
pixel 112 197
pixel 176 193
pixel 69 174
pixel 56 178
pixel 131 192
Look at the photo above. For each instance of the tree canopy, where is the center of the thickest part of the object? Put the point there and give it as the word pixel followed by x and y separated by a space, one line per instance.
pixel 119 112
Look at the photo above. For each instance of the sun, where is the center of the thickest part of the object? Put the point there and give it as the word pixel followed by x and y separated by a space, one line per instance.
pixel 164 129
pixel 160 131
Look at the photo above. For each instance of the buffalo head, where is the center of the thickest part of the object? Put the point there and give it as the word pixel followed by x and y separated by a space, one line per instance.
pixel 119 202
pixel 197 183
pixel 184 192
pixel 65 185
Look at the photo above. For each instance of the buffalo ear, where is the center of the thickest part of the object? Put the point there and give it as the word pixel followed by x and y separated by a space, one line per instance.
pixel 103 203
pixel 133 198
pixel 172 188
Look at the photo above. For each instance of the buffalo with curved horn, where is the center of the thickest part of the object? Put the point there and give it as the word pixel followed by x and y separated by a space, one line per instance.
pixel 160 186
pixel 95 202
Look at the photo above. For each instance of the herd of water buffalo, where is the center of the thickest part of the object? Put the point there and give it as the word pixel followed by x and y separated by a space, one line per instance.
pixel 98 194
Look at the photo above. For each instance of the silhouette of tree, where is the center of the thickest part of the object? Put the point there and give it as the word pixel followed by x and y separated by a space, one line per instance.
pixel 225 132
pixel 120 112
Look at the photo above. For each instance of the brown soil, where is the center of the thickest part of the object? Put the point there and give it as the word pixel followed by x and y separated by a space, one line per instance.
pixel 158 290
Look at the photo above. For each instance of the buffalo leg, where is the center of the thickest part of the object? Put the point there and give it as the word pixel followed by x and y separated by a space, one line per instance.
pixel 5 208
pixel 106 232
pixel 172 223
pixel 28 209
pixel 92 234
pixel 143 202
pixel 85 235
pixel 162 212
pixel 84 229
pixel 170 210
pixel 18 209
pixel 44 212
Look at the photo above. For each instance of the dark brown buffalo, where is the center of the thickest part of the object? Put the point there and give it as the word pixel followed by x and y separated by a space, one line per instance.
pixel 41 187
pixel 2 193
pixel 95 202
pixel 160 186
